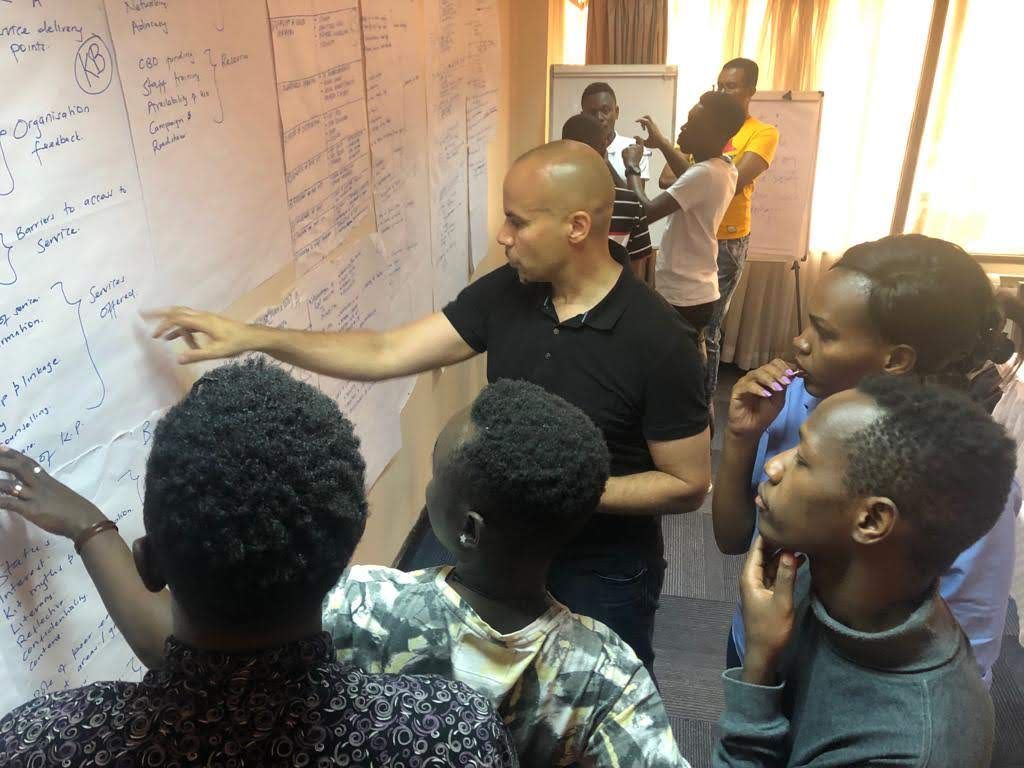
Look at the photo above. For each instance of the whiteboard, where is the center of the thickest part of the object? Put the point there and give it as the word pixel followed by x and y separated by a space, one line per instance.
pixel 781 213
pixel 640 89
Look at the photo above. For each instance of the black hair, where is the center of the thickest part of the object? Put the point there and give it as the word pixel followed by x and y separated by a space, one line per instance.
pixel 586 130
pixel 595 88
pixel 749 68
pixel 933 296
pixel 725 113
pixel 535 466
pixel 254 496
pixel 939 457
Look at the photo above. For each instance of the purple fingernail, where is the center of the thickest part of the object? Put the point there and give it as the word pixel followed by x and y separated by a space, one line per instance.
pixel 765 393
pixel 790 372
pixel 776 386
pixel 786 380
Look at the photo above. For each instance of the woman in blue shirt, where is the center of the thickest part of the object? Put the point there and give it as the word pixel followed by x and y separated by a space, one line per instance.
pixel 903 305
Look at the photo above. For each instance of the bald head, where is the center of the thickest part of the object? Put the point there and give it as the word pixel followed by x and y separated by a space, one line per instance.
pixel 565 176
pixel 558 211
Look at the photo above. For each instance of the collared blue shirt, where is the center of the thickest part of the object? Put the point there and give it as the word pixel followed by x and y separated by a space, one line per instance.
pixel 976 587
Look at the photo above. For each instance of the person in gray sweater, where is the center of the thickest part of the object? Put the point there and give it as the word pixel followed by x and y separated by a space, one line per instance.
pixel 853 658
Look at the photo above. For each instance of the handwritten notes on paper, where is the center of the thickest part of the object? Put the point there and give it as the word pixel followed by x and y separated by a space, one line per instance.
pixel 183 152
pixel 291 313
pixel 54 631
pixel 318 55
pixel 483 65
pixel 396 104
pixel 351 293
pixel 446 123
pixel 781 213
pixel 69 289
pixel 198 81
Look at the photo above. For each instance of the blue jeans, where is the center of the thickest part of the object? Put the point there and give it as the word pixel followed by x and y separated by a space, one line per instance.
pixel 732 254
pixel 616 588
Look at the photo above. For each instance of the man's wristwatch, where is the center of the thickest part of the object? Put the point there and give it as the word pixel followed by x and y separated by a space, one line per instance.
pixel 633 170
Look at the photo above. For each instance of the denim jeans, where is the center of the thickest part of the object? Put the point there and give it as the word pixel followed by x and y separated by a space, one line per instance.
pixel 618 589
pixel 731 256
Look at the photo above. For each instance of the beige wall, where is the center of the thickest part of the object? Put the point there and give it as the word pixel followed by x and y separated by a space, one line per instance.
pixel 397 497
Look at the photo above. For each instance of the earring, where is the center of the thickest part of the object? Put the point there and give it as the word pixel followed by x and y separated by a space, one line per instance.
pixel 464 539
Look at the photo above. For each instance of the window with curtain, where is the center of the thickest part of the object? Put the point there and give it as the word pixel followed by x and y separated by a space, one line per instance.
pixel 866 55
pixel 967 167
pixel 574 32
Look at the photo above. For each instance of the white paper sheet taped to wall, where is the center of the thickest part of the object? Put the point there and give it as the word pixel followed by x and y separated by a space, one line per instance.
pixel 351 293
pixel 197 78
pixel 323 112
pixel 142 162
pixel 73 239
pixel 54 632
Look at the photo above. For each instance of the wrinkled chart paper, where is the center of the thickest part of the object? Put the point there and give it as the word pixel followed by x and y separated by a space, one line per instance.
pixel 351 293
pixel 483 73
pixel 319 70
pixel 74 248
pixel 447 52
pixel 396 102
pixel 54 631
pixel 198 79
pixel 291 313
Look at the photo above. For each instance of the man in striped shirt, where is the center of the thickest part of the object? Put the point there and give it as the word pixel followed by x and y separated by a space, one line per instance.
pixel 629 221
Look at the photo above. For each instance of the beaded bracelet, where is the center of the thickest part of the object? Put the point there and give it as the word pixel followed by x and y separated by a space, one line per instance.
pixel 92 530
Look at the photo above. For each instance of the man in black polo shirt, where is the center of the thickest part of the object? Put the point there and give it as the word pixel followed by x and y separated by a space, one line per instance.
pixel 562 314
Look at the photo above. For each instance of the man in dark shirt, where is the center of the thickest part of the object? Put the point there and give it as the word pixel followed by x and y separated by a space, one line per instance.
pixel 254 505
pixel 562 314
pixel 629 221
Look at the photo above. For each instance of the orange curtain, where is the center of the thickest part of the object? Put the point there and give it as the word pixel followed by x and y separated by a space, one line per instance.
pixel 792 34
pixel 866 56
pixel 627 31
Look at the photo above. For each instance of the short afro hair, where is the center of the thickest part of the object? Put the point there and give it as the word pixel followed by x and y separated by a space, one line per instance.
pixel 535 466
pixel 724 112
pixel 595 88
pixel 586 130
pixel 254 496
pixel 940 458
pixel 748 67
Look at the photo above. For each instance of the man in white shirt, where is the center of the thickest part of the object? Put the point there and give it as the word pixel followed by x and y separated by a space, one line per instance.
pixel 599 102
pixel 687 267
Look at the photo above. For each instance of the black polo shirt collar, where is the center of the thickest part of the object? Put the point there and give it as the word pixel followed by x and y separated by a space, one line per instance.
pixel 605 314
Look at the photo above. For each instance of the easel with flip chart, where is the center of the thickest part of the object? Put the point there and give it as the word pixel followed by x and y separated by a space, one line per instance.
pixel 781 215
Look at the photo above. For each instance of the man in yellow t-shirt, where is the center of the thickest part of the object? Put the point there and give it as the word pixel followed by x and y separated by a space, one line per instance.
pixel 751 151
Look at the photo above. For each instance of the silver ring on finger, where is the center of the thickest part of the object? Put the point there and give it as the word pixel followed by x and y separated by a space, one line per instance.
pixel 17 489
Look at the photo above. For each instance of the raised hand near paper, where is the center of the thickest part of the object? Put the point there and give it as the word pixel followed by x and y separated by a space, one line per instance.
pixel 655 138
pixel 209 336
pixel 41 499
pixel 758 398
pixel 766 597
